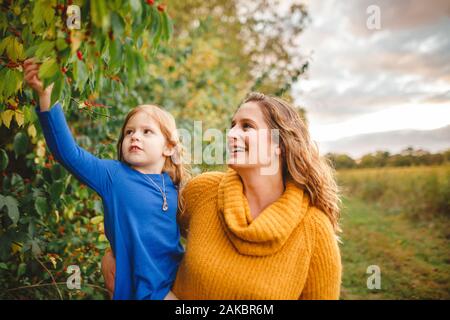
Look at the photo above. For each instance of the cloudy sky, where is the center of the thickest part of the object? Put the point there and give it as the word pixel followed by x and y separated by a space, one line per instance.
pixel 362 80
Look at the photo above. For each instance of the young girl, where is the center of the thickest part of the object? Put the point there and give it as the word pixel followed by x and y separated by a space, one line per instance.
pixel 139 192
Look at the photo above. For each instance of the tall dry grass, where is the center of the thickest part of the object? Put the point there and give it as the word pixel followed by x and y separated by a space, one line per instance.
pixel 417 192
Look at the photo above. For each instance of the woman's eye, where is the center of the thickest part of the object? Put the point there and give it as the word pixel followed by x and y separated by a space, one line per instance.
pixel 246 126
pixel 147 131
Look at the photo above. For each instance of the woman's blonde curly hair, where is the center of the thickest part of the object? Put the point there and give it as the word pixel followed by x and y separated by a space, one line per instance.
pixel 300 155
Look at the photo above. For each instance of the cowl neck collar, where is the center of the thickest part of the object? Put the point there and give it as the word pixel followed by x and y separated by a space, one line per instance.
pixel 267 233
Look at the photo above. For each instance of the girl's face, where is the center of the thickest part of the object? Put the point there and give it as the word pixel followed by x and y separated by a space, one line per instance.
pixel 250 142
pixel 144 145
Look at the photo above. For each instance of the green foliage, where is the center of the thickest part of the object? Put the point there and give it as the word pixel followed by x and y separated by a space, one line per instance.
pixel 44 212
pixel 408 157
pixel 118 59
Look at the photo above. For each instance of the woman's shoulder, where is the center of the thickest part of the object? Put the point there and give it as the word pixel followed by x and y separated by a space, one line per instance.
pixel 204 182
pixel 318 221
pixel 199 189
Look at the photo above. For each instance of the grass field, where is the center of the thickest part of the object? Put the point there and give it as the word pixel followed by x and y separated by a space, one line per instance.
pixel 412 248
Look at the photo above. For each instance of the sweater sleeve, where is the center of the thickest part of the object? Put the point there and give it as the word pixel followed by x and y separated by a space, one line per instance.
pixel 324 275
pixel 89 169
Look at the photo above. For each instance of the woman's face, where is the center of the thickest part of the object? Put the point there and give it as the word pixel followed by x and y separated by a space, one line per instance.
pixel 251 143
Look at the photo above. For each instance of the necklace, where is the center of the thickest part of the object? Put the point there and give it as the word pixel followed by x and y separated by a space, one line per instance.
pixel 165 206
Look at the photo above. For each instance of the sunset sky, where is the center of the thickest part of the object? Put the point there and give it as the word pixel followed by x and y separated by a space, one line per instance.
pixel 363 81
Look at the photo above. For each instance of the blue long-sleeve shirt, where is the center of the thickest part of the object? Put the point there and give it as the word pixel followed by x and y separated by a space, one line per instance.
pixel 144 238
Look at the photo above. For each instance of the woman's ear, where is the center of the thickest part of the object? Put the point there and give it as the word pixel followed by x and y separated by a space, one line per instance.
pixel 277 151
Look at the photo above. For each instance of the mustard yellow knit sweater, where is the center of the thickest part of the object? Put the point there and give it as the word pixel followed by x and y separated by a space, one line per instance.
pixel 288 252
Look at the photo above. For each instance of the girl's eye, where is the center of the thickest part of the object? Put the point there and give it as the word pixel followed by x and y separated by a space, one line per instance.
pixel 246 126
pixel 147 131
pixel 128 132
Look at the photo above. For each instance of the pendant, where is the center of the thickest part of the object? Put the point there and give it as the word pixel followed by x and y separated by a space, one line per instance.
pixel 165 206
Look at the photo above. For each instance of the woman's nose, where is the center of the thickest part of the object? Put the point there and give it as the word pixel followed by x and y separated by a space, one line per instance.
pixel 232 134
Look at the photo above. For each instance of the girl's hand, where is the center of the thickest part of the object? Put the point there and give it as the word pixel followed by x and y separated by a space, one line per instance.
pixel 31 69
pixel 109 271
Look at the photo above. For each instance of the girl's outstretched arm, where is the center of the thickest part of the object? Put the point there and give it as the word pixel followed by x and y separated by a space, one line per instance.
pixel 94 172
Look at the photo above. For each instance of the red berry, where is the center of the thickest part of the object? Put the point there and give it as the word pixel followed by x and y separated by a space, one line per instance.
pixel 150 2
pixel 80 55
pixel 64 70
pixel 161 7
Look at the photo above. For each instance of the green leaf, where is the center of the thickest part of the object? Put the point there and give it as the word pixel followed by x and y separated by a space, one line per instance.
pixel 12 206
pixel 115 53
pixel 57 172
pixel 117 24
pixel 29 114
pixel 15 50
pixel 98 206
pixel 31 51
pixel 48 69
pixel 159 31
pixel 6 117
pixel 5 43
pixel 57 88
pixel 20 143
pixel 45 49
pixel 167 27
pixel 61 44
pixel 99 14
pixel 80 74
pixel 21 269
pixel 3 266
pixel 40 204
pixel 35 249
pixel 56 189
pixel 3 160
pixel 17 183
pixel 14 82
pixel 155 20
pixel 135 5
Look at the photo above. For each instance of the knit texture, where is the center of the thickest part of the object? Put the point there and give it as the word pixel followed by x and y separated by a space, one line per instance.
pixel 288 252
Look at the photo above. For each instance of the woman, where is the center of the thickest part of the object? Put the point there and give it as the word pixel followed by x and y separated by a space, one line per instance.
pixel 265 229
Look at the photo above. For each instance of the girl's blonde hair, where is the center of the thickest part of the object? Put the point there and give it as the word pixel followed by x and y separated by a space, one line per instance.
pixel 300 155
pixel 174 165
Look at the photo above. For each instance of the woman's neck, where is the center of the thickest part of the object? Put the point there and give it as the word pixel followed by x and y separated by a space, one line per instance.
pixel 261 190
